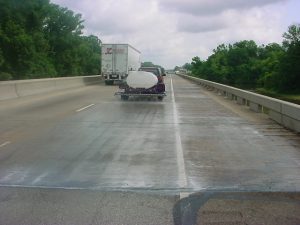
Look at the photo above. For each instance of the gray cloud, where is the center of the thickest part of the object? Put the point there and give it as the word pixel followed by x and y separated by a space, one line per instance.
pixel 107 26
pixel 170 33
pixel 193 24
pixel 206 7
pixel 110 16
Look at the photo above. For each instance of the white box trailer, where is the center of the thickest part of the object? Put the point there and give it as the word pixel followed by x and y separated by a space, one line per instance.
pixel 117 60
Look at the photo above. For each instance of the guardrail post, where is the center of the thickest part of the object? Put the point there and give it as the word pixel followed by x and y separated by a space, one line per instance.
pixel 240 100
pixel 229 96
pixel 255 107
pixel 275 116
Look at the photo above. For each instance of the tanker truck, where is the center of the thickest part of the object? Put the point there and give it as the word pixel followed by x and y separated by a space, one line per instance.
pixel 147 81
pixel 117 60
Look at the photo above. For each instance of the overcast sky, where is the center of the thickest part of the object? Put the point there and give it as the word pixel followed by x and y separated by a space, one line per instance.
pixel 171 32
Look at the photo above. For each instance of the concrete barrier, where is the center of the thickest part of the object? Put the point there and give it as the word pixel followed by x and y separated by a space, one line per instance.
pixel 7 90
pixel 21 88
pixel 284 113
pixel 32 87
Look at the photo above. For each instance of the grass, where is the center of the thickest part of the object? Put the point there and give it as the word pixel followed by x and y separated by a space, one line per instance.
pixel 294 98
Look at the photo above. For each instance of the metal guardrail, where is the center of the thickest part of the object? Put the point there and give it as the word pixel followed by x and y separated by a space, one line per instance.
pixel 284 113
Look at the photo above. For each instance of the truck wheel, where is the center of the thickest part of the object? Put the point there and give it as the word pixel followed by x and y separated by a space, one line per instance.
pixel 124 97
pixel 160 98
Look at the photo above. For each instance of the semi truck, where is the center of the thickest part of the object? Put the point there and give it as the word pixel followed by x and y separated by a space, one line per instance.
pixel 117 61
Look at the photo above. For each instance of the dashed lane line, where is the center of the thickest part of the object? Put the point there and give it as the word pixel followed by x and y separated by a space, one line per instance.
pixel 85 107
pixel 5 143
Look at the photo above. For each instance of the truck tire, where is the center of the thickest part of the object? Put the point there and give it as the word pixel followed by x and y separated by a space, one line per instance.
pixel 124 97
pixel 160 98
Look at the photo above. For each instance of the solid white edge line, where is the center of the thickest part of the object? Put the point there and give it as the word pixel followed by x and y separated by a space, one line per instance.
pixel 4 144
pixel 179 151
pixel 83 108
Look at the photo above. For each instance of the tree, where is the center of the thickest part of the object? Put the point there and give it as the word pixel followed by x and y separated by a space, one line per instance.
pixel 187 66
pixel 89 52
pixel 217 68
pixel 150 64
pixel 230 64
pixel 289 67
pixel 268 62
pixel 147 64
pixel 39 39
pixel 196 66
pixel 21 41
pixel 176 68
pixel 292 36
pixel 247 65
pixel 63 29
pixel 241 60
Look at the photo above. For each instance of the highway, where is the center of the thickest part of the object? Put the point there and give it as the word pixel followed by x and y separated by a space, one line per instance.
pixel 88 143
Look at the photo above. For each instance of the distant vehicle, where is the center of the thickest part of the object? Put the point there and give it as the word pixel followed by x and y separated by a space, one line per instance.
pixel 181 71
pixel 163 71
pixel 117 60
pixel 184 71
pixel 148 81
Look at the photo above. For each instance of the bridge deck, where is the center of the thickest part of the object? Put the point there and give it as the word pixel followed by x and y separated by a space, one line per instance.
pixel 193 140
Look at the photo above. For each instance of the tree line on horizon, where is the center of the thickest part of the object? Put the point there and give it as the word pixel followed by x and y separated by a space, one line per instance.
pixel 274 67
pixel 39 39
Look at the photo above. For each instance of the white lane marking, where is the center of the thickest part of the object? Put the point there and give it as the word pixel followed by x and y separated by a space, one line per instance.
pixel 4 144
pixel 184 194
pixel 83 108
pixel 179 150
pixel 39 178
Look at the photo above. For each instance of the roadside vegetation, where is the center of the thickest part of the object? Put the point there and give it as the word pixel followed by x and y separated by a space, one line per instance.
pixel 150 64
pixel 39 39
pixel 272 69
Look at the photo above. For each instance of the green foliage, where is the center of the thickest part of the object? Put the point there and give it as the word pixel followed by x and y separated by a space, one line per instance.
pixel 187 66
pixel 292 36
pixel 197 66
pixel 290 64
pixel 39 39
pixel 5 76
pixel 244 64
pixel 268 64
pixel 149 64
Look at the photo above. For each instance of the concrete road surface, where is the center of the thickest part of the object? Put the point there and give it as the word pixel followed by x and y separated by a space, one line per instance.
pixel 83 141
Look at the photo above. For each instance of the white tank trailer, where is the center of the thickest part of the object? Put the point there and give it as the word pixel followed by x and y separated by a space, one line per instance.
pixel 142 83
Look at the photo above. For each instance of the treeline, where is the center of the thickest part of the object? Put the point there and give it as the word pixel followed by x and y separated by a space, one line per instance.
pixel 244 64
pixel 150 64
pixel 39 39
